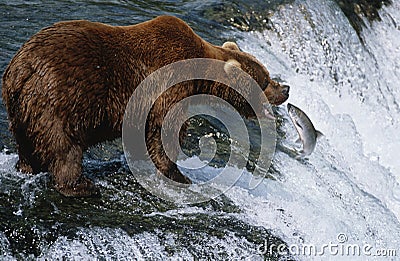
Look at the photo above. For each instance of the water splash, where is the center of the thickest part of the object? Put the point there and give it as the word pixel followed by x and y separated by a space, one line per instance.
pixel 351 182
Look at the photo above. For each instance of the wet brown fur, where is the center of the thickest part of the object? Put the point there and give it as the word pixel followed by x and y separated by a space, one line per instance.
pixel 67 88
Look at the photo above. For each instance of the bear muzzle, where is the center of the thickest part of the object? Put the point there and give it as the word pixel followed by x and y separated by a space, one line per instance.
pixel 277 93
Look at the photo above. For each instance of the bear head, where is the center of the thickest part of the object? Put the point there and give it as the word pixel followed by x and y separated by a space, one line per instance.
pixel 275 92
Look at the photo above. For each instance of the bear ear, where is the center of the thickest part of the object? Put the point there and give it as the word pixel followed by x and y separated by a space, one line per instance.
pixel 230 64
pixel 231 45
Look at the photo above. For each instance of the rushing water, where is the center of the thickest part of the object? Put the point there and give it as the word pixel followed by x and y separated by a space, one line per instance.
pixel 346 193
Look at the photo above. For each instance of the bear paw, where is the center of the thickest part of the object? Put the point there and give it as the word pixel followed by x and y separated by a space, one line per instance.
pixel 84 187
pixel 24 167
pixel 177 176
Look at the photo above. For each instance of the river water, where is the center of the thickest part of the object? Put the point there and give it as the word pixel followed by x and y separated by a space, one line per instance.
pixel 346 194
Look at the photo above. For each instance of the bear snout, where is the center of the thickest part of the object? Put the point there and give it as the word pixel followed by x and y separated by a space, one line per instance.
pixel 277 93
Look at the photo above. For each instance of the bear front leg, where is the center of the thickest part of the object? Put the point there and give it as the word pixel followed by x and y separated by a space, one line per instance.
pixel 67 174
pixel 163 163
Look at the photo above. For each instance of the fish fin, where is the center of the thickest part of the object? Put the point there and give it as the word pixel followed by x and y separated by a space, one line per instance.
pixel 298 157
pixel 300 154
pixel 319 134
pixel 268 114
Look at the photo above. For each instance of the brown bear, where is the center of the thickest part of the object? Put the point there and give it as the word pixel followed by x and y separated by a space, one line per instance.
pixel 66 89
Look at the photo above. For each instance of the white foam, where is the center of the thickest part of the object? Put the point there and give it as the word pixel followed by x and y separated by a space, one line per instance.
pixel 107 243
pixel 351 182
pixel 5 253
